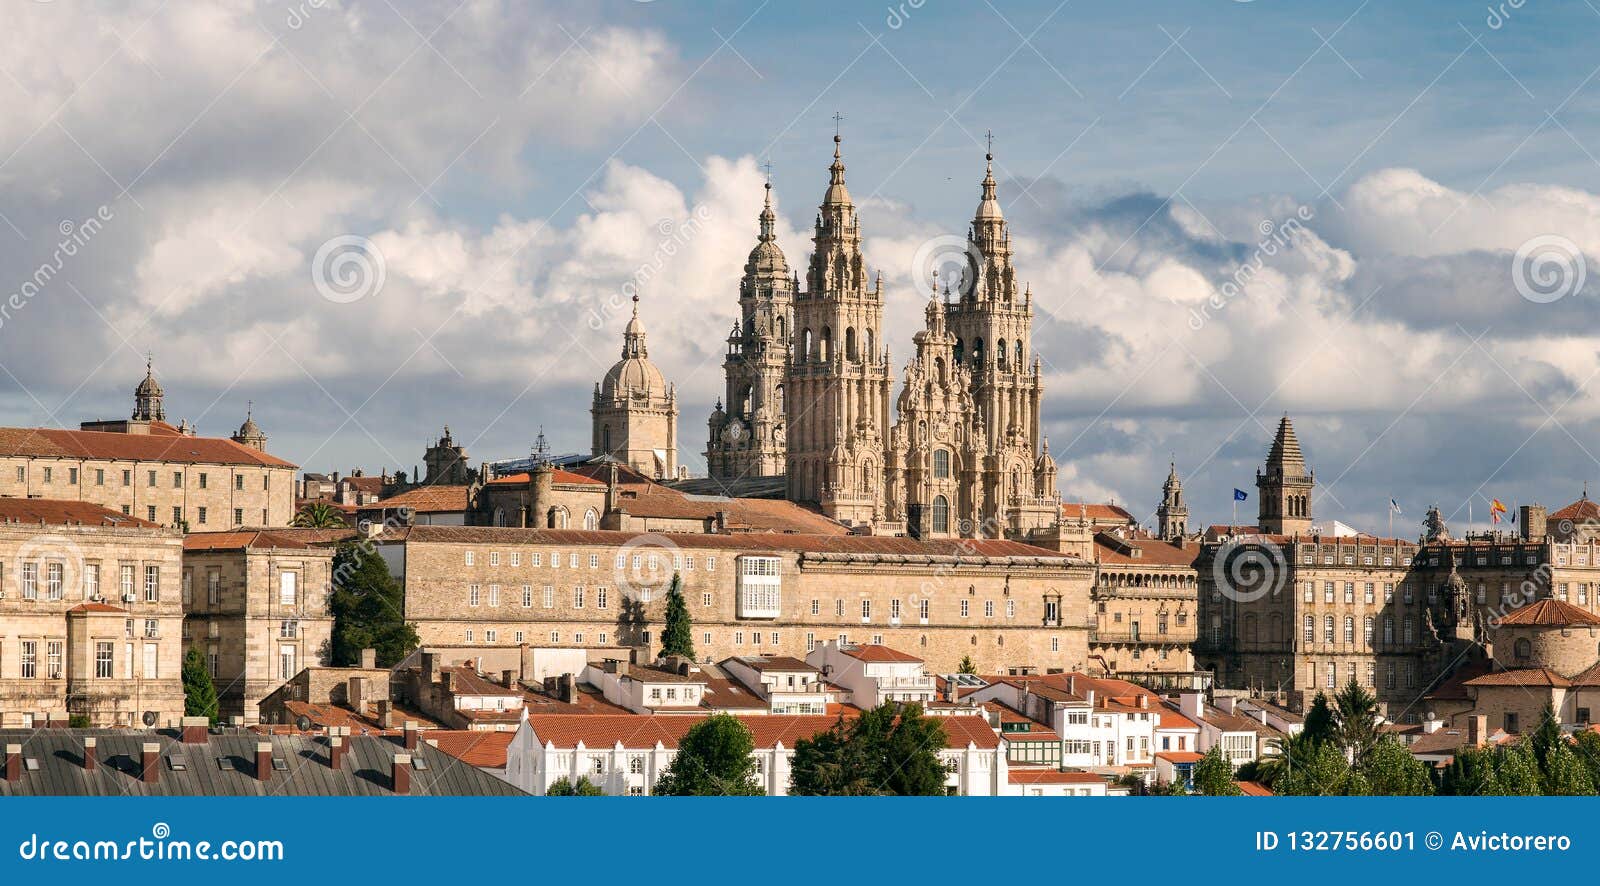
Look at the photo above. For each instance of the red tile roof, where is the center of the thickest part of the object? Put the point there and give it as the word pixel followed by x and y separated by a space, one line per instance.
pixel 1071 510
pixel 95 607
pixel 1582 509
pixel 1536 677
pixel 755 541
pixel 1150 552
pixel 473 746
pixel 241 539
pixel 1253 789
pixel 425 500
pixel 641 731
pixel 1549 612
pixel 1052 776
pixel 60 512
pixel 874 653
pixel 558 476
pixel 109 446
pixel 1179 756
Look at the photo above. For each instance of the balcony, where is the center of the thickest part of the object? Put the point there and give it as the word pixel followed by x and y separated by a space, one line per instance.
pixel 1123 635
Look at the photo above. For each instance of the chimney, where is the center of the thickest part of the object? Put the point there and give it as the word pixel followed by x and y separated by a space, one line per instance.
pixel 1190 704
pixel 369 658
pixel 1477 729
pixel 1144 702
pixel 90 753
pixel 402 774
pixel 355 694
pixel 446 682
pixel 430 668
pixel 569 688
pixel 194 729
pixel 263 760
pixel 150 764
pixel 1226 702
pixel 1072 683
pixel 335 751
pixel 411 735
pixel 385 712
pixel 510 677
pixel 13 762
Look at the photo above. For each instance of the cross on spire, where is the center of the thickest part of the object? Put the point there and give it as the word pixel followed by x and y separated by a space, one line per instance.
pixel 768 167
pixel 988 136
pixel 837 118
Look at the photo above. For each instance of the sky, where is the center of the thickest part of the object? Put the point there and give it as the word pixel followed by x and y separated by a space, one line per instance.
pixel 367 220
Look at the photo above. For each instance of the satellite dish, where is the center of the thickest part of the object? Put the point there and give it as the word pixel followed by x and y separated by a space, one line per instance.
pixel 149 718
pixel 303 723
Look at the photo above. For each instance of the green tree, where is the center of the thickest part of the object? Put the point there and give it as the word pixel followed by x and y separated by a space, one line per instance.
pixel 368 609
pixel 1355 717
pixel 1565 774
pixel 1319 725
pixel 1392 771
pixel 563 787
pixel 319 515
pixel 1516 771
pixel 714 760
pixel 888 750
pixel 199 692
pixel 1546 736
pixel 967 665
pixel 1213 775
pixel 677 638
pixel 1324 773
pixel 1586 745
pixel 1471 773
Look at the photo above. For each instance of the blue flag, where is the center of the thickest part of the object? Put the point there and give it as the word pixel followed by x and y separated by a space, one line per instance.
pixel 1238 495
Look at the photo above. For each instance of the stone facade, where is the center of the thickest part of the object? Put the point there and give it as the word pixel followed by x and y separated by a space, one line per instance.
pixel 90 618
pixel 1010 607
pixel 146 468
pixel 635 411
pixel 256 606
pixel 1146 609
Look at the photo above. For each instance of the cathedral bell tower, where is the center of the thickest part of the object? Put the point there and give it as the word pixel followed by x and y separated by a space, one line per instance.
pixel 1285 486
pixel 1173 515
pixel 837 401
pixel 747 430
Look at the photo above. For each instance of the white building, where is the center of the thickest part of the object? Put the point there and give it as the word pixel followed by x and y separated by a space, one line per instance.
pixel 624 754
pixel 789 685
pixel 873 674
pixel 1243 738
pixel 645 690
pixel 1104 723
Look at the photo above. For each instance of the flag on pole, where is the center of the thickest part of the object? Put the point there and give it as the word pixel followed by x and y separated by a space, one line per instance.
pixel 1394 506
pixel 1239 495
pixel 1496 508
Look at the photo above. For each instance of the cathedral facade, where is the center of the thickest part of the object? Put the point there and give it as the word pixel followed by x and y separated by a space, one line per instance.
pixel 809 383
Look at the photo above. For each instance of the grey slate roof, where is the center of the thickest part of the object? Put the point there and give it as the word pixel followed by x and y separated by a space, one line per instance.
pixel 368 762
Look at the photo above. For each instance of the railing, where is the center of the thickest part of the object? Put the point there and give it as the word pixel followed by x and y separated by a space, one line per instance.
pixel 1156 639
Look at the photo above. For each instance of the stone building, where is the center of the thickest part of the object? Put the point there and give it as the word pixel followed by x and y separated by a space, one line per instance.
pixel 1006 605
pixel 747 436
pixel 1146 609
pixel 256 604
pixel 90 616
pixel 147 468
pixel 635 411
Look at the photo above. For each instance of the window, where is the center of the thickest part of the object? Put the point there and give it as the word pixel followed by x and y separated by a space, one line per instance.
pixel 1011 609
pixel 152 662
pixel 1349 629
pixel 213 587
pixel 286 659
pixel 1388 629
pixel 527 597
pixel 922 610
pixel 963 608
pixel 200 514
pixel 516 558
pixel 72 476
pixel 1327 592
pixel 705 600
pixel 941 514
pixel 152 584
pixel 894 609
pixel 53 581
pixel 53 650
pixel 287 588
pixel 1327 629
pixel 1310 632
pixel 1410 630
pixel 1367 630
pixel 102 660
pixel 125 576
pixel 91 581
pixel 1349 592
pixel 548 596
pixel 866 610
pixel 1333 675
pixel 238 481
pixel 1367 592
pixel 238 516
pixel 100 476
pixel 494 595
pixel 988 609
pixel 600 598
pixel 941 464
pixel 472 595
pixel 1308 594
pixel 492 635
pixel 471 557
pixel 577 597
pixel 494 558
pixel 30 659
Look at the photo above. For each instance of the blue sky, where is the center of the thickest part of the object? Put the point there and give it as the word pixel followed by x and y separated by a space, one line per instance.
pixel 514 165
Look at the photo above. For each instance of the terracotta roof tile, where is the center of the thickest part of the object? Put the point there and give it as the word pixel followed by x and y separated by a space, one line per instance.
pixel 1549 612
pixel 760 541
pixel 480 748
pixel 425 500
pixel 285 538
pixel 874 653
pixel 60 512
pixel 109 446
pixel 1071 510
pixel 1582 509
pixel 1052 776
pixel 1538 677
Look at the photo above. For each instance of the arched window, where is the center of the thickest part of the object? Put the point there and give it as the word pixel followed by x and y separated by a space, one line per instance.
pixel 870 353
pixel 941 514
pixel 1274 627
pixel 1349 629
pixel 805 346
pixel 1310 629
pixel 1327 628
pixel 827 344
pixel 941 464
pixel 778 326
pixel 591 520
pixel 557 518
pixel 605 438
pixel 960 350
pixel 938 369
pixel 1388 629
pixel 977 352
pixel 1250 628
pixel 777 395
pixel 1367 630
pixel 850 344
pixel 499 516
pixel 1018 361
pixel 1000 354
pixel 1523 649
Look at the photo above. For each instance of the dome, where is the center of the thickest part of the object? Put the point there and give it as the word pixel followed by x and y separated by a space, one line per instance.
pixel 633 375
pixel 149 387
pixel 837 194
pixel 249 428
pixel 766 259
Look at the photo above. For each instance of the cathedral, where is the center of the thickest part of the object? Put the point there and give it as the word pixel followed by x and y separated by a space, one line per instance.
pixel 809 383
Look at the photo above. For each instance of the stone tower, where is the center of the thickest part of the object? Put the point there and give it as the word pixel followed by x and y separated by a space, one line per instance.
pixel 993 324
pixel 837 398
pixel 747 430
pixel 934 469
pixel 1285 486
pixel 1173 515
pixel 635 411
pixel 147 396
pixel 446 462
pixel 249 433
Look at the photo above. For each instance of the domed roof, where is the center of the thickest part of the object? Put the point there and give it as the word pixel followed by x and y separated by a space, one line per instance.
pixel 634 373
pixel 766 259
pixel 988 205
pixel 249 428
pixel 149 387
pixel 837 194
